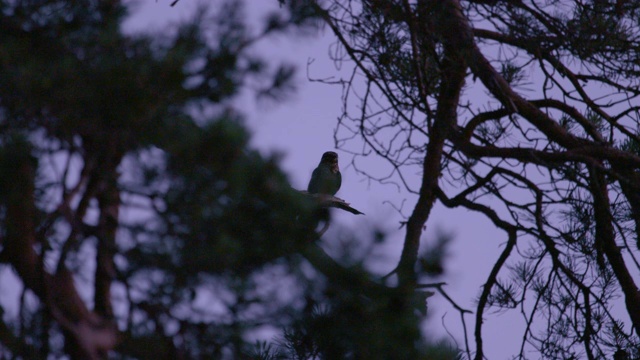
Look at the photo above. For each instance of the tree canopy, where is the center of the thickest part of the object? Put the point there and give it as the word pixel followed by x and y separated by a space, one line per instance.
pixel 140 223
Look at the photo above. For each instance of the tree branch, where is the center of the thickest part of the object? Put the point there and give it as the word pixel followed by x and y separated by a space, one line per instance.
pixel 88 336
pixel 326 201
pixel 453 74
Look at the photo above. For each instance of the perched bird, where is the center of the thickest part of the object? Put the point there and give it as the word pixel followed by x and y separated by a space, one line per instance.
pixel 326 178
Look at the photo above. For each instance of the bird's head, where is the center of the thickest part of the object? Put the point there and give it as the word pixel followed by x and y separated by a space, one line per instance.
pixel 330 158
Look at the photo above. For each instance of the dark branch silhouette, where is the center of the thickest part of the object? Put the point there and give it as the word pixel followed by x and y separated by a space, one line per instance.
pixel 326 200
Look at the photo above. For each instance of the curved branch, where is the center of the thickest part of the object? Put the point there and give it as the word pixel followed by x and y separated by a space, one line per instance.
pixel 605 238
pixel 511 230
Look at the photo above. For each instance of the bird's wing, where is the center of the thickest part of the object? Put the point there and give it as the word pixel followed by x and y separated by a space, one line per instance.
pixel 316 181
pixel 338 181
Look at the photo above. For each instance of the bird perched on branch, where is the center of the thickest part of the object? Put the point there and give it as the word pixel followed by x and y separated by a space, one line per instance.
pixel 326 178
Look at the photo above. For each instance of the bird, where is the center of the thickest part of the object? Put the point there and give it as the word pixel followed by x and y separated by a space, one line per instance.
pixel 326 178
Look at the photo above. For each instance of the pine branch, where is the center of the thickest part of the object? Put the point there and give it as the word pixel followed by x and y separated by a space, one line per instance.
pixel 326 200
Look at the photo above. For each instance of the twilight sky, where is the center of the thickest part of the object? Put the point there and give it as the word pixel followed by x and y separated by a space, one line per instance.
pixel 301 129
